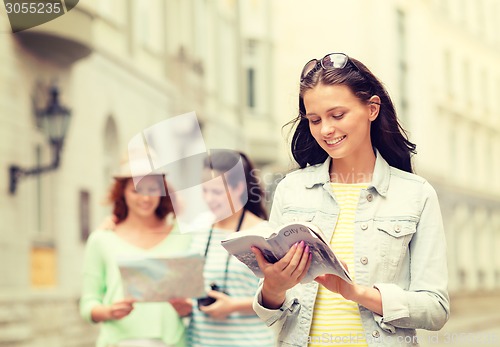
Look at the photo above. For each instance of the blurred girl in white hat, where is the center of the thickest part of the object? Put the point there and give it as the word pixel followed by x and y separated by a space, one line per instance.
pixel 142 207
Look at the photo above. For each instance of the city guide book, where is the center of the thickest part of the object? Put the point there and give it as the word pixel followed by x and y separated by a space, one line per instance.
pixel 149 279
pixel 274 244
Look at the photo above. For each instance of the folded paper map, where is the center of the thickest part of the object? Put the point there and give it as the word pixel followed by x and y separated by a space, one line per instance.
pixel 161 279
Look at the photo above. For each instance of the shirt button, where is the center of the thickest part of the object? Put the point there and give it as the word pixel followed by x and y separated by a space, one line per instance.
pixel 375 333
pixel 364 226
pixel 369 197
pixel 363 260
pixel 397 228
pixel 303 321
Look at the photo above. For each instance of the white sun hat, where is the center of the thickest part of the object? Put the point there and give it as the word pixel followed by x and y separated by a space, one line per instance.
pixel 139 163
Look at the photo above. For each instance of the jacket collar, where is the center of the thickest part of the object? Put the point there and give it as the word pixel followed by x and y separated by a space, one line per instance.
pixel 320 174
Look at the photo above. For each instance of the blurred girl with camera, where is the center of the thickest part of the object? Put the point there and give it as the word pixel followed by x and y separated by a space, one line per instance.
pixel 225 317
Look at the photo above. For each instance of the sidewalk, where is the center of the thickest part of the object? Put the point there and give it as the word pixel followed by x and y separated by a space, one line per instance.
pixel 474 321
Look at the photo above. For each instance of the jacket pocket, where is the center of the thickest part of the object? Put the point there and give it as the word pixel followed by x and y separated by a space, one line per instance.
pixel 290 216
pixel 394 236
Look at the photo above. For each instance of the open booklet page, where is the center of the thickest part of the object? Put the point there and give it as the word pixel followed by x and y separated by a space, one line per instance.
pixel 275 244
pixel 160 279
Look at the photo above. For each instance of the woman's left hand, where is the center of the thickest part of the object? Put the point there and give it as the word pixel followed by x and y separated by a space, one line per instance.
pixel 336 284
pixel 368 297
pixel 221 308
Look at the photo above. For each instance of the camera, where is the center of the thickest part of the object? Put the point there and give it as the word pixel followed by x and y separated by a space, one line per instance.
pixel 207 300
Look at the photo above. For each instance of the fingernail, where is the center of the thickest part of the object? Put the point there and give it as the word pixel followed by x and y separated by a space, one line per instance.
pixel 307 249
pixel 301 243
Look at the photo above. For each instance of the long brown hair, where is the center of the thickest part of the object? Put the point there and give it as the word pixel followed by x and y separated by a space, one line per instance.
pixel 387 135
pixel 120 208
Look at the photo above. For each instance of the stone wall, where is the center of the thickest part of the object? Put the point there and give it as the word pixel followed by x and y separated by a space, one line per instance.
pixel 44 320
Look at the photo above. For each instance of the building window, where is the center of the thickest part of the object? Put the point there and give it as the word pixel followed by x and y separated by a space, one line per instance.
pixel 251 87
pixel 462 13
pixel 227 62
pixel 495 12
pixel 148 17
pixel 489 159
pixel 472 155
pixel 200 30
pixel 495 161
pixel 112 10
pixel 443 8
pixel 485 90
pixel 497 112
pixel 255 74
pixel 111 159
pixel 39 212
pixel 453 151
pixel 480 17
pixel 467 83
pixel 402 63
pixel 448 81
pixel 84 214
pixel 43 265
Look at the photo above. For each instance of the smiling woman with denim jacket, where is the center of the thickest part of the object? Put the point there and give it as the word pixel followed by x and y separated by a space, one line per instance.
pixel 356 184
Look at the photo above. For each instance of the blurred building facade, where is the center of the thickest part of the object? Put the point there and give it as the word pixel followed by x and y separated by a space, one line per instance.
pixel 120 67
pixel 464 159
pixel 439 60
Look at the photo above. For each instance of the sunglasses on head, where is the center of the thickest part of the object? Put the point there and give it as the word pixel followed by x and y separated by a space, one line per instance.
pixel 329 61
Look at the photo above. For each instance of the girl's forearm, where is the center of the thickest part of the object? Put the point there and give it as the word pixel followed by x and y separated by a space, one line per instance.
pixel 100 313
pixel 368 297
pixel 243 305
pixel 271 299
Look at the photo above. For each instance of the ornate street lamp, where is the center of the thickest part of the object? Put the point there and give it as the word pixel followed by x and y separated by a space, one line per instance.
pixel 53 120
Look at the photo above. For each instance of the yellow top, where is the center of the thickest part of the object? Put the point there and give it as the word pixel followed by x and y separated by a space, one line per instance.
pixel 336 321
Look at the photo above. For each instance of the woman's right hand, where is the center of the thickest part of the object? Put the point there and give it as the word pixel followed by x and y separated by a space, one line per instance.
pixel 284 274
pixel 117 310
pixel 121 309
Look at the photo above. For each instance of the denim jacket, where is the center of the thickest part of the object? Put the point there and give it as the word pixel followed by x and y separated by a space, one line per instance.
pixel 399 248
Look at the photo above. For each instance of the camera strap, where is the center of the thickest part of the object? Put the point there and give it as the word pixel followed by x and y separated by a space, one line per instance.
pixel 238 227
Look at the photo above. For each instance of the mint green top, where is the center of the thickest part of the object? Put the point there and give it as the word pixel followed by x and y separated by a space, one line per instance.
pixel 102 285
